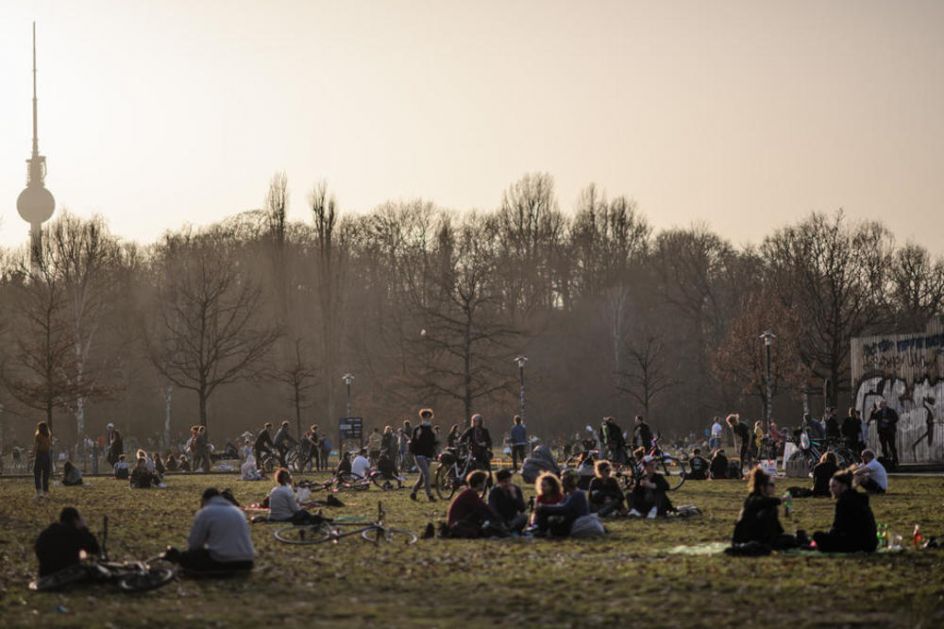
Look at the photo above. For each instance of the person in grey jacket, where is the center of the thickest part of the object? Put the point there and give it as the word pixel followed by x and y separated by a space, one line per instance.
pixel 219 540
pixel 540 461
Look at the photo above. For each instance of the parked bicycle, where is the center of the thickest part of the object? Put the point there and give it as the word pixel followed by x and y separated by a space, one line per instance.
pixel 128 576
pixel 327 530
pixel 454 465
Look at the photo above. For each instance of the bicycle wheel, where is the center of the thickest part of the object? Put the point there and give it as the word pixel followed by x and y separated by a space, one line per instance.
pixel 674 471
pixel 349 480
pixel 445 481
pixel 143 581
pixel 305 534
pixel 57 580
pixel 389 535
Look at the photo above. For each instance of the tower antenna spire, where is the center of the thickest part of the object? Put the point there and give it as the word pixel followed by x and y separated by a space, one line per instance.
pixel 35 101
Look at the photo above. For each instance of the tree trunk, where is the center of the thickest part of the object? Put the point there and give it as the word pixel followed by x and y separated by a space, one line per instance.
pixel 202 394
pixel 168 397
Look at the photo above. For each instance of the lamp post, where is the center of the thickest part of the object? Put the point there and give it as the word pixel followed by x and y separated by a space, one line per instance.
pixel 768 337
pixel 520 361
pixel 348 379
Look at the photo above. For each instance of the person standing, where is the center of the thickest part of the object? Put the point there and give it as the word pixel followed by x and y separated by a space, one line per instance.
pixel 423 449
pixel 203 449
pixel 642 434
pixel 42 459
pixel 478 440
pixel 408 464
pixel 315 440
pixel 714 442
pixel 326 446
pixel 614 444
pixel 519 442
pixel 262 444
pixel 116 447
pixel 850 429
pixel 742 435
pixel 283 442
pixel 886 419
pixel 374 444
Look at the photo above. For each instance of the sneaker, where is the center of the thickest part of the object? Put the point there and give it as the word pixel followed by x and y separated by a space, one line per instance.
pixel 430 531
pixel 653 512
pixel 634 514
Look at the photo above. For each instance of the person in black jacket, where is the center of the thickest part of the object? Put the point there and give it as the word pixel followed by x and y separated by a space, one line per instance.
pixel 823 473
pixel 851 428
pixel 742 435
pixel 506 499
pixel 60 544
pixel 887 420
pixel 853 527
pixel 649 496
pixel 642 434
pixel 423 449
pixel 478 440
pixel 719 466
pixel 606 496
pixel 698 466
pixel 263 443
pixel 614 444
pixel 833 432
pixel 758 521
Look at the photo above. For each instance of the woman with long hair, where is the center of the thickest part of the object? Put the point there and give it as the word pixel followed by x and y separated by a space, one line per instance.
pixel 42 459
pixel 758 521
pixel 853 527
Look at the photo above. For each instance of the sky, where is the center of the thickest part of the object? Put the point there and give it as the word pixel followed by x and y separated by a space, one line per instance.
pixel 743 115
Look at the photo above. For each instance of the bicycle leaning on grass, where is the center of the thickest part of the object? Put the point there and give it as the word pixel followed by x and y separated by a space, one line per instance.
pixel 327 530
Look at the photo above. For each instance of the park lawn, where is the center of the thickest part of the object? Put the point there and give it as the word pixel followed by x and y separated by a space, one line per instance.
pixel 629 577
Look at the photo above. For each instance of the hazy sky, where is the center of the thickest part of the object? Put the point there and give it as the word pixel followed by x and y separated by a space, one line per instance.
pixel 745 115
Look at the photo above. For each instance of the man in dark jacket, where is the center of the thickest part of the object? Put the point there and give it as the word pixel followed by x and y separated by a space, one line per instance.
pixel 506 499
pixel 850 429
pixel 832 425
pixel 283 442
pixel 263 443
pixel 423 448
pixel 642 434
pixel 887 420
pixel 854 528
pixel 478 440
pixel 60 544
pixel 611 435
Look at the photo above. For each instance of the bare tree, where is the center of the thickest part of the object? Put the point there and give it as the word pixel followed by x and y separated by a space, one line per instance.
pixel 647 375
pixel 298 375
pixel 206 331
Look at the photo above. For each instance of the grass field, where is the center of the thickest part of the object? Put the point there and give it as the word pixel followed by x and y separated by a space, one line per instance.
pixel 630 577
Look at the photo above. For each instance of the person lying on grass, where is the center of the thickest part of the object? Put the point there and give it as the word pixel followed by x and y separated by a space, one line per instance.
pixel 853 528
pixel 219 541
pixel 649 495
pixel 606 496
pixel 758 521
pixel 506 499
pixel 469 517
pixel 62 543
pixel 556 520
pixel 282 505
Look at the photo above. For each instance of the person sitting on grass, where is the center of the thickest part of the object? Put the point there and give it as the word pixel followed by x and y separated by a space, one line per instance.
pixel 853 527
pixel 698 466
pixel 758 521
pixel 219 541
pixel 62 543
pixel 871 475
pixel 649 495
pixel 469 517
pixel 556 520
pixel 248 470
pixel 586 470
pixel 170 462
pixel 548 491
pixel 122 471
pixel 360 466
pixel 718 470
pixel 71 476
pixel 344 465
pixel 159 466
pixel 506 499
pixel 282 505
pixel 606 496
pixel 183 463
pixel 823 473
pixel 142 477
pixel 541 460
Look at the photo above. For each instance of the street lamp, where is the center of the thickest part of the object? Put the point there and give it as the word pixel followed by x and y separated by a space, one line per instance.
pixel 348 379
pixel 768 337
pixel 520 361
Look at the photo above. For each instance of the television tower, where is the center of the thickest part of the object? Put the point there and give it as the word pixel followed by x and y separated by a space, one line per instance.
pixel 35 204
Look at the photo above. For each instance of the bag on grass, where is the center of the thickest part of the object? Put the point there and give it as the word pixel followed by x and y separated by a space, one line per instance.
pixel 588 526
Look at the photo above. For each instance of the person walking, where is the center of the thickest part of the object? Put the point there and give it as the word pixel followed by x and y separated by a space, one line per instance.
pixel 423 449
pixel 519 442
pixel 42 459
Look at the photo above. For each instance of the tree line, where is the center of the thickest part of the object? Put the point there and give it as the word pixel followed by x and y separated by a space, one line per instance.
pixel 257 317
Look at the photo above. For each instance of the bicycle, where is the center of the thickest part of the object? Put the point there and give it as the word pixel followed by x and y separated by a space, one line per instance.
pixel 665 464
pixel 454 465
pixel 328 530
pixel 810 450
pixel 129 576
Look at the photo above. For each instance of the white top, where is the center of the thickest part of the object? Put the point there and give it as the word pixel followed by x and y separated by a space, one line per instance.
pixel 221 528
pixel 249 470
pixel 716 429
pixel 360 466
pixel 877 473
pixel 282 505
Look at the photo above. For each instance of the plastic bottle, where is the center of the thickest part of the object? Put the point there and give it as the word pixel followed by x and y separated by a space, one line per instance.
pixel 917 538
pixel 880 535
pixel 788 505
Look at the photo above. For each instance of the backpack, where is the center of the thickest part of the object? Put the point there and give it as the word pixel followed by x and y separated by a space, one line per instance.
pixel 588 526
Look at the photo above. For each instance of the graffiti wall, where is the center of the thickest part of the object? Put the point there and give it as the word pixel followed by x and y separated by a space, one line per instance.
pixel 907 371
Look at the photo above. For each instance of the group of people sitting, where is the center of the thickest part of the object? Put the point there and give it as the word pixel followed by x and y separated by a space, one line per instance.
pixel 148 471
pixel 758 529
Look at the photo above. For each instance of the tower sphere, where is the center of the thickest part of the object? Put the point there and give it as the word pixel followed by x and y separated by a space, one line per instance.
pixel 35 204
